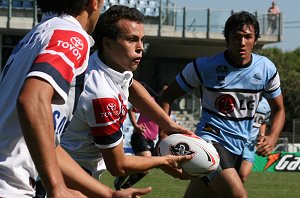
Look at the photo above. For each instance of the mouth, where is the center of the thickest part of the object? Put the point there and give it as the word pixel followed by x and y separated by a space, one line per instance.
pixel 242 52
pixel 138 59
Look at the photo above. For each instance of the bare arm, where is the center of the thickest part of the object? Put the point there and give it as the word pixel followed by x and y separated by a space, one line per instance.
pixel 35 114
pixel 54 165
pixel 77 178
pixel 166 99
pixel 132 116
pixel 119 164
pixel 266 144
pixel 262 129
pixel 142 100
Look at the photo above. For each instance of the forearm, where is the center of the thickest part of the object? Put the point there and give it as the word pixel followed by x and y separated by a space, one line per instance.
pixel 136 164
pixel 142 100
pixel 262 129
pixel 277 117
pixel 35 114
pixel 77 178
pixel 132 118
pixel 277 124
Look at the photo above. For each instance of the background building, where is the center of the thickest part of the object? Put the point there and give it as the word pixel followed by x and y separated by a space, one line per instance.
pixel 174 36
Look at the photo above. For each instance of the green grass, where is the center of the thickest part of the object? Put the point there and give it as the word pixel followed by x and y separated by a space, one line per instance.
pixel 258 185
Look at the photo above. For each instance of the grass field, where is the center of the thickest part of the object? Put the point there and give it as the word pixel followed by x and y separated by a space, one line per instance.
pixel 259 185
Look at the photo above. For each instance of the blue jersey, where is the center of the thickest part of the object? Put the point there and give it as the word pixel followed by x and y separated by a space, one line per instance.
pixel 229 96
pixel 262 116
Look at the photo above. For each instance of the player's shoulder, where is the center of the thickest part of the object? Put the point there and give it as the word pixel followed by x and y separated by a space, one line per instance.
pixel 209 62
pixel 216 57
pixel 66 29
pixel 262 60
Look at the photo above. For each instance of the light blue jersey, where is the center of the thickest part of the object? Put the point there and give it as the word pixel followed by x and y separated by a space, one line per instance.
pixel 230 96
pixel 262 116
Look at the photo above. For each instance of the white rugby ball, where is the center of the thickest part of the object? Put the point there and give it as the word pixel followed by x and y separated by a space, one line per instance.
pixel 206 158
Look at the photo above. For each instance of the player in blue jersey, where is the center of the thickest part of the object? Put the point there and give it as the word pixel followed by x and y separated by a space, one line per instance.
pixel 261 118
pixel 231 83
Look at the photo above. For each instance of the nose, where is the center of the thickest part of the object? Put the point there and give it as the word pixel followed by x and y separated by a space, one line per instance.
pixel 140 46
pixel 243 39
pixel 240 41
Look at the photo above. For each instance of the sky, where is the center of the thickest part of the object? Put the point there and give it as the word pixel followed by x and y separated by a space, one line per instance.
pixel 289 9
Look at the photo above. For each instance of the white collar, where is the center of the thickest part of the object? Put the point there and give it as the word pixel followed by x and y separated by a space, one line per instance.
pixel 121 79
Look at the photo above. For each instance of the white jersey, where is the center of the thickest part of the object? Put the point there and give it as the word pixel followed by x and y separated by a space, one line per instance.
pixel 62 114
pixel 99 115
pixel 56 50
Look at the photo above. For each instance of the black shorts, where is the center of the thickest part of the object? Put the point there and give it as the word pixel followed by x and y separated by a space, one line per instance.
pixel 227 160
pixel 139 143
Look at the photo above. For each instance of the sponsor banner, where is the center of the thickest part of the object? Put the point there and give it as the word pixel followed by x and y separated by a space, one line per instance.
pixel 277 162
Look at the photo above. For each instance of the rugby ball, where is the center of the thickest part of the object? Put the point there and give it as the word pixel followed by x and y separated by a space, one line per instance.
pixel 206 158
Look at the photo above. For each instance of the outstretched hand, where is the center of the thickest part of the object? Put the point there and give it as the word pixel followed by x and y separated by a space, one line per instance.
pixel 131 192
pixel 173 167
pixel 176 128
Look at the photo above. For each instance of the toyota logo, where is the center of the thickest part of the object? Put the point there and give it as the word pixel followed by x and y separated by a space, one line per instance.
pixel 111 106
pixel 77 42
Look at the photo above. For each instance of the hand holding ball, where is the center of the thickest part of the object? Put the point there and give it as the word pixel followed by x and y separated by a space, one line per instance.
pixel 206 159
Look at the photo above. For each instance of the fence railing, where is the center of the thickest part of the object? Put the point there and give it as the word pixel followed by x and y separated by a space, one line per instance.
pixel 185 20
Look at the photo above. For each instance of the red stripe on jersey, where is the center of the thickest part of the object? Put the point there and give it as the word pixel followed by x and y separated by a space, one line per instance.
pixel 58 63
pixel 72 44
pixel 106 110
pixel 106 130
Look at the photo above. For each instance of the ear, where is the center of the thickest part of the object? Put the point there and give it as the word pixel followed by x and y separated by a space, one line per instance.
pixel 95 4
pixel 106 43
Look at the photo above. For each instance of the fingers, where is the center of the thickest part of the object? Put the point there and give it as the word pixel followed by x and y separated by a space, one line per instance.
pixel 138 192
pixel 264 149
pixel 175 161
pixel 176 128
pixel 131 192
pixel 265 146
pixel 260 138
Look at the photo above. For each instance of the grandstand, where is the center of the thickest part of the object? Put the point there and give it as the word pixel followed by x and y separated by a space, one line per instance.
pixel 174 36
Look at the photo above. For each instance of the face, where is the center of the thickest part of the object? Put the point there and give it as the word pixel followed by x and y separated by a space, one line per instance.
pixel 125 53
pixel 240 45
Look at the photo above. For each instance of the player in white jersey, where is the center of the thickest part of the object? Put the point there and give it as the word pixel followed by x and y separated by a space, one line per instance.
pixel 95 133
pixel 40 71
pixel 231 84
pixel 261 117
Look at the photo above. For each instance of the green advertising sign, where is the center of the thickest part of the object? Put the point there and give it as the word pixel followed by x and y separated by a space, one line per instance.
pixel 277 162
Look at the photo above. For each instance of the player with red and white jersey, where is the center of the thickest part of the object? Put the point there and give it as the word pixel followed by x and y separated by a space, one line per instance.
pixel 95 131
pixel 99 115
pixel 56 55
pixel 42 70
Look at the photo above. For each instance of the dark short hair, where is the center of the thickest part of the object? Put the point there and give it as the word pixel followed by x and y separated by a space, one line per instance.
pixel 71 7
pixel 107 23
pixel 236 22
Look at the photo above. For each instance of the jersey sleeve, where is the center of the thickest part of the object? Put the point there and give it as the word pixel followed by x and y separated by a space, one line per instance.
pixel 189 77
pixel 104 114
pixel 63 57
pixel 272 88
